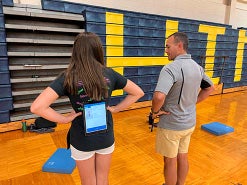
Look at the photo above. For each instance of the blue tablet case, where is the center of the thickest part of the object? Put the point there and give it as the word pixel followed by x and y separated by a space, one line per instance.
pixel 217 128
pixel 60 162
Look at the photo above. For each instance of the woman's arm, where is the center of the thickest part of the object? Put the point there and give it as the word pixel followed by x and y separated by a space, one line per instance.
pixel 134 93
pixel 41 107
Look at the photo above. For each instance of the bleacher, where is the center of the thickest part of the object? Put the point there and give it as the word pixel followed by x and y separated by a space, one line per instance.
pixel 36 45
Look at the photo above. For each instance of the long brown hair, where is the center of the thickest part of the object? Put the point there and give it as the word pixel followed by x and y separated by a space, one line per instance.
pixel 86 66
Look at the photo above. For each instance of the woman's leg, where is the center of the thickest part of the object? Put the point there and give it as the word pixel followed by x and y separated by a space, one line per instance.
pixel 87 171
pixel 103 163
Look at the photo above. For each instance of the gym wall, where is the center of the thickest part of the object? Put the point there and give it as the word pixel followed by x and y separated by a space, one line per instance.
pixel 231 12
pixel 134 45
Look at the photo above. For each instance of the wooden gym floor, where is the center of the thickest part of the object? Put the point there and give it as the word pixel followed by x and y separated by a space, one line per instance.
pixel 214 160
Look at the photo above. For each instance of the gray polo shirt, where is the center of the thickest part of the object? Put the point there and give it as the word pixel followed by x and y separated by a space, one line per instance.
pixel 180 81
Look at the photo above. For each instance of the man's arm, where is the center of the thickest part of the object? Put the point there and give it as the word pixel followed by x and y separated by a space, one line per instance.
pixel 157 103
pixel 204 93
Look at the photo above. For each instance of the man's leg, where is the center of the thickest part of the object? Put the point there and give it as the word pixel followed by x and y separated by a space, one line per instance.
pixel 182 158
pixel 182 168
pixel 167 142
pixel 170 170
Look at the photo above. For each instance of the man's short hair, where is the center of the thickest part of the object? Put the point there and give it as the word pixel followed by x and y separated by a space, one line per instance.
pixel 181 37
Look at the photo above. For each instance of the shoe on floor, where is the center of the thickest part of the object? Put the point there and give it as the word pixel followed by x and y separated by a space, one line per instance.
pixel 42 130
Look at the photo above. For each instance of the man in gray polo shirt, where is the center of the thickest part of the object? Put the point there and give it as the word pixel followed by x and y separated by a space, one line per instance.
pixel 174 102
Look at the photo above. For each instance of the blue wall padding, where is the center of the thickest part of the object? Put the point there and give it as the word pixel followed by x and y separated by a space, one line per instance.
pixel 8 2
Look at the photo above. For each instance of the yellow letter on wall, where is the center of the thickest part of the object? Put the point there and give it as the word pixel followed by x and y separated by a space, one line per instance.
pixel 171 27
pixel 114 40
pixel 212 31
pixel 242 39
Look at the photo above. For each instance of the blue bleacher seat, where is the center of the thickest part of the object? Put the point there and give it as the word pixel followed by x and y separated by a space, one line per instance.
pixel 134 79
pixel 5 117
pixel 147 87
pixel 1 8
pixel 2 21
pixel 228 72
pixel 131 41
pixel 231 32
pixel 98 28
pixel 53 5
pixel 8 2
pixel 5 91
pixel 92 16
pixel 145 32
pixel 245 47
pixel 102 38
pixel 4 65
pixel 131 30
pixel 147 97
pixel 130 51
pixel 227 79
pixel 158 52
pixel 145 79
pixel 3 49
pixel 144 52
pixel 130 20
pixel 146 70
pixel 74 8
pixel 115 100
pixel 130 71
pixel 4 77
pixel 6 104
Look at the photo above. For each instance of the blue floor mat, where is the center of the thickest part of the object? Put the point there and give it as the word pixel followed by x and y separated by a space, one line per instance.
pixel 217 128
pixel 60 162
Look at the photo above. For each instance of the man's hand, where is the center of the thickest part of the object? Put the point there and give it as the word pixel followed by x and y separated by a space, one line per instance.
pixel 161 112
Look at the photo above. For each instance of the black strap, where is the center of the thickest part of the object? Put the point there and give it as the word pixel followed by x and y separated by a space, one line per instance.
pixel 181 86
pixel 68 139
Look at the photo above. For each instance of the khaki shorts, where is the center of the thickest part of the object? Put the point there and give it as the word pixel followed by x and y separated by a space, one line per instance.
pixel 171 142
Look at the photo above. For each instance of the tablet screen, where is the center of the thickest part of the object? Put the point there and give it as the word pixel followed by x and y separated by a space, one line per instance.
pixel 95 117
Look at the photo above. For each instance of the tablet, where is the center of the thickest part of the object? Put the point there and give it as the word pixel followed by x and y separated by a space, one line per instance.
pixel 95 118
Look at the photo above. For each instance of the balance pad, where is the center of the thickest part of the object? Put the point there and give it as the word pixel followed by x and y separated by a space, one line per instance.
pixel 60 162
pixel 217 128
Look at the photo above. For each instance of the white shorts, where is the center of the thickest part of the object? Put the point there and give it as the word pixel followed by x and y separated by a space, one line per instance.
pixel 80 155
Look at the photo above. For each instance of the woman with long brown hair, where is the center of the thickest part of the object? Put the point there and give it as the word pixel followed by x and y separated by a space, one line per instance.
pixel 89 84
